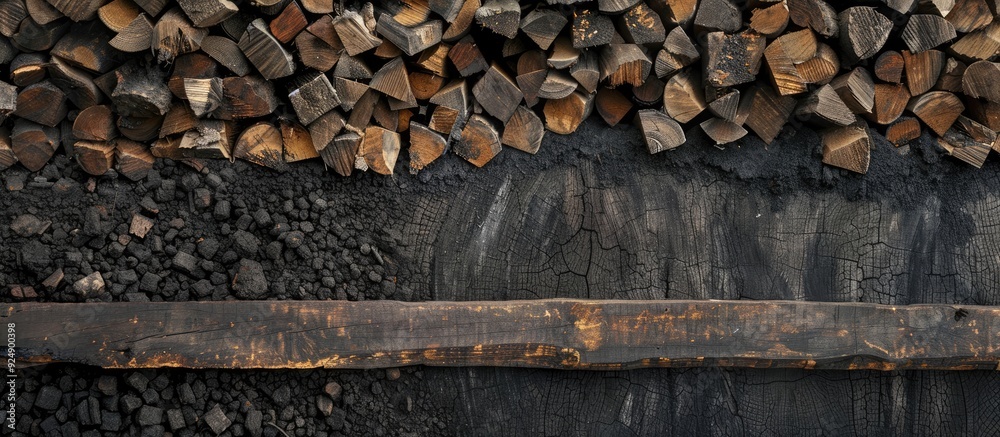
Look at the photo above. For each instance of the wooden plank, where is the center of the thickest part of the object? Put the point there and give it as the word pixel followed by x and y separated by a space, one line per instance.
pixel 568 334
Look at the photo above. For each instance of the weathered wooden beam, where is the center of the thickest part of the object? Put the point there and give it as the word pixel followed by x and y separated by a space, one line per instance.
pixel 567 334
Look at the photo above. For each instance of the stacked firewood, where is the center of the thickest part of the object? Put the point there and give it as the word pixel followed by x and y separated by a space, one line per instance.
pixel 118 83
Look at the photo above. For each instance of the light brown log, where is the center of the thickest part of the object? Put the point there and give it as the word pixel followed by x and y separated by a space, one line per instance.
pixel 134 37
pixel 174 35
pixel 445 119
pixel 96 123
pixel 412 12
pixel 204 95
pixel 33 144
pixel 392 81
pixel 133 159
pixel 781 65
pixel 95 158
pixel 297 141
pixel 380 148
pixel 261 144
pixel 462 22
pixel 118 14
pixel 982 81
pixel 817 15
pixel 586 71
pixel 659 130
pixel 211 139
pixel 564 115
pixel 889 103
pixel 354 34
pixel 982 44
pixel 848 147
pixel 265 52
pixel 624 63
pixel 768 112
pixel 902 131
pixel 969 141
pixel 411 40
pixel 856 89
pixel 822 68
pixel 683 96
pixel 524 131
pixel 937 109
pixel 824 108
pixel 341 153
pixel 726 105
pixel 480 142
pixel 557 85
pixel 678 52
pixel 770 20
pixel 7 156
pixel 435 59
pixel 426 146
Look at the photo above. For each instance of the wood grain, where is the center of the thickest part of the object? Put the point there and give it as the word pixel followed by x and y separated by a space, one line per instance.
pixel 562 334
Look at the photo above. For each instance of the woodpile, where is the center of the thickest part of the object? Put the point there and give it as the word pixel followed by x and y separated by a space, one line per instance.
pixel 369 86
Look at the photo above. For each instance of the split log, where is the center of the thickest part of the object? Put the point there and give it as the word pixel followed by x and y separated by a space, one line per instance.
pixel 350 67
pixel 247 97
pixel 77 10
pixel 951 76
pixel 315 51
pixel 313 96
pixel 557 85
pixel 297 141
pixel 411 40
pixel 410 12
pixel 289 23
pixel 12 14
pixel 454 95
pixel 563 54
pixel 717 16
pixel 190 66
pixel 985 112
pixel 28 68
pixel 679 12
pixel 726 105
pixel 902 131
pixel 95 158
pixel 624 63
pixel 816 15
pixel 925 32
pixel 659 130
pixel 889 67
pixel 532 71
pixel 937 109
pixel 467 58
pixel 44 13
pixel 445 120
pixel 341 153
pixel 7 156
pixel 265 52
pixel 500 16
pixel 204 95
pixel 447 9
pixel 981 81
pixel 591 29
pixel 152 7
pixel 615 6
pixel 890 102
pixel 8 100
pixel 733 59
pixel 211 139
pixel 848 147
pixel 133 159
pixel 380 148
pixel 33 144
pixel 77 84
pixel 134 38
pixel 970 15
pixel 434 59
pixel 650 93
pixel 683 98
pixel 324 130
pixel 856 89
pixel 425 146
pixel 770 21
pixel 140 128
pixel 825 108
pixel 355 35
pixel 174 35
pixel 480 141
pixel 922 70
pixel 524 131
pixel 543 26
pixel 227 53
pixel 969 141
pixel 863 32
pixel 822 68
pixel 140 92
pixel 982 44
pixel 361 114
pixel 261 145
pixel 768 112
pixel 42 103
pixel 587 71
pixel 96 123
pixel 392 81
pixel 425 85
pixel 497 93
pixel 207 13
pixel 784 75
pixel 564 115
pixel 462 22
pixel 642 25
pixel 678 52
pixel 722 131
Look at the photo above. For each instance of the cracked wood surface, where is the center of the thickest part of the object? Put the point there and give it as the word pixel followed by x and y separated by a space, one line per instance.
pixel 558 333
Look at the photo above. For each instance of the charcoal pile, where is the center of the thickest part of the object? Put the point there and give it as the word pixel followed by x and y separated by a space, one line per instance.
pixel 118 84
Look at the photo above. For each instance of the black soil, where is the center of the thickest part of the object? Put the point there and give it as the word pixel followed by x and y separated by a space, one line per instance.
pixel 238 231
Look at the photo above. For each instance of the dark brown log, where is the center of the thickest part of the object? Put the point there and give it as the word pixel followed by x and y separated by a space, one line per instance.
pixel 28 68
pixel 453 95
pixel 211 139
pixel 78 84
pixel 348 91
pixel 659 130
pixel 816 15
pixel 411 40
pixel 140 128
pixel 12 13
pixel 313 96
pixel 168 148
pixel 462 22
pixel 227 53
pixel 467 58
pixel 322 133
pixel 78 10
pixel 951 76
pixel 771 20
pixel 543 25
pixel 678 52
pixel 152 7
pixel 969 141
pixel 32 36
pixel 889 67
pixel 890 102
pixel 247 97
pixel 586 71
pixel 87 46
pixel 683 96
pixel 179 119
pixel 190 66
pixel 447 9
pixel 500 16
pixel 350 67
pixel 563 54
pixel 940 8
pixel 733 59
pixel 624 63
pixel 361 114
pixel 261 145
pixel 497 93
pixel 96 123
pixel 425 146
pixel 902 131
pixel 856 89
pixel 33 144
pixel 480 141
pixel 768 112
pixel 297 141
pixel 922 70
pixel 848 147
pixel 265 52
pixel 354 34
pixel 42 103
pixel 591 29
pixel 133 159
pixel 43 12
pixel 642 25
pixel 937 109
pixel 425 85
pixel 615 6
pixel 982 81
pixel 824 108
pixel 7 156
pixel 140 92
pixel 289 23
pixel 314 51
pixel 717 15
pixel 650 93
pixel 392 80
pixel 726 105
pixel 863 32
pixel 95 158
pixel 985 112
pixel 174 35
pixel 445 119
pixel 722 131
pixel 340 154
pixel 380 148
pixel 207 13
pixel 532 71
pixel 524 131
pixel 564 115
pixel 385 116
pixel 925 31
pixel 970 15
pixel 8 100
pixel 982 44
pixel 134 37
